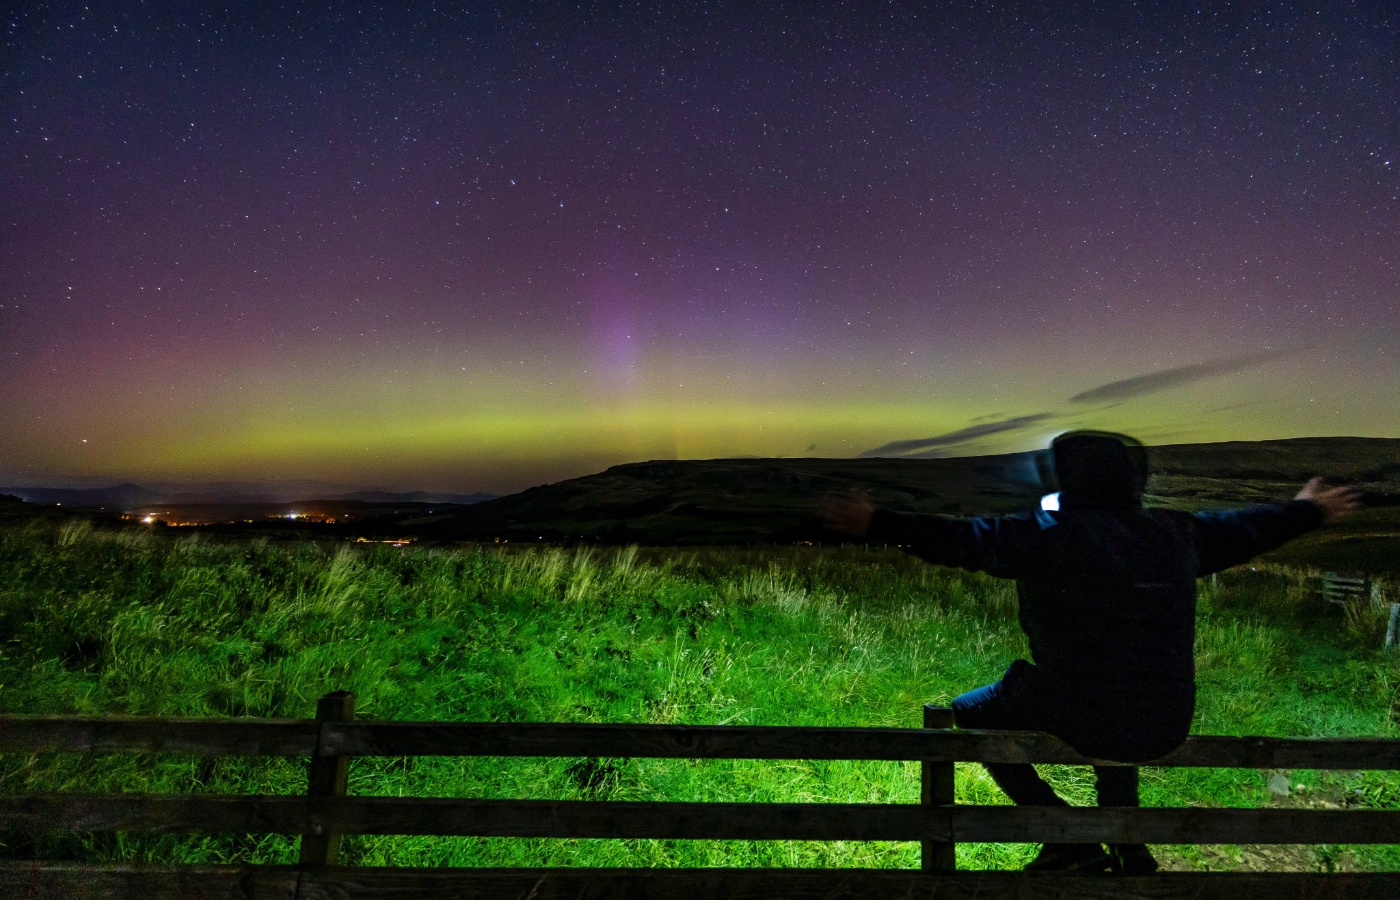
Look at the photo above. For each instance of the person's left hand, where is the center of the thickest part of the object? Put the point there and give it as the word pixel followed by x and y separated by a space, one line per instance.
pixel 850 513
pixel 1336 503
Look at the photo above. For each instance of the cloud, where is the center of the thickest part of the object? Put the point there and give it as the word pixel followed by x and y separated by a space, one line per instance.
pixel 931 447
pixel 1232 407
pixel 1152 382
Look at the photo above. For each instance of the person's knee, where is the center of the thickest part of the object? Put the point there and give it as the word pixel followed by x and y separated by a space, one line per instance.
pixel 989 708
pixel 972 710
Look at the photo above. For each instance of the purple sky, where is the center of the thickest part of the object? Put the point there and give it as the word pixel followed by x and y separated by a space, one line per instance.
pixel 486 247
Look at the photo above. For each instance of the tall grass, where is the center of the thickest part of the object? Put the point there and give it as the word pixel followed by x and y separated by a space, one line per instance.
pixel 126 622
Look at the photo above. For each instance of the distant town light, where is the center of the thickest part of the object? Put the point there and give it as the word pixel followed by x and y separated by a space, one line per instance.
pixel 149 520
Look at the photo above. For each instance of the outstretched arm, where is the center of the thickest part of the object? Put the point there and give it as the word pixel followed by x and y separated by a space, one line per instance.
pixel 1230 538
pixel 993 545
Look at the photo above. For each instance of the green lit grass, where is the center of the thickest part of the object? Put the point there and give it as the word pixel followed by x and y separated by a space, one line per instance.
pixel 100 622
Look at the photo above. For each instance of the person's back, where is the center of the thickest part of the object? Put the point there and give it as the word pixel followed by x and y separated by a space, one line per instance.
pixel 1112 596
pixel 1108 604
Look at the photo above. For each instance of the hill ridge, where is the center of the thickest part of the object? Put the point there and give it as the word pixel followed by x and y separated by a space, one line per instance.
pixel 770 500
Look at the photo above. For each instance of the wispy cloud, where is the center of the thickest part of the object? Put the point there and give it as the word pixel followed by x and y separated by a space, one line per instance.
pixel 937 445
pixel 1152 382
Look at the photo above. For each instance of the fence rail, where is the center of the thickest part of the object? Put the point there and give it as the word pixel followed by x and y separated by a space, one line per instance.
pixel 299 738
pixel 324 813
pixel 1343 590
pixel 28 880
pixel 693 821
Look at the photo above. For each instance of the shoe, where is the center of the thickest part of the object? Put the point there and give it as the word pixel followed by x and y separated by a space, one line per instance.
pixel 1132 859
pixel 1070 858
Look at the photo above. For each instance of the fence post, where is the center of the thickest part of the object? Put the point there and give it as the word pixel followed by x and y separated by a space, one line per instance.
pixel 1392 631
pixel 326 779
pixel 937 790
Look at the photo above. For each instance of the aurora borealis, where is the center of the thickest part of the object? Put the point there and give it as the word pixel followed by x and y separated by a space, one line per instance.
pixel 484 246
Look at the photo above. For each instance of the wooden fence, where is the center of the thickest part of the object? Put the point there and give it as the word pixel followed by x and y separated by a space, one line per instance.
pixel 1342 590
pixel 325 813
pixel 1353 592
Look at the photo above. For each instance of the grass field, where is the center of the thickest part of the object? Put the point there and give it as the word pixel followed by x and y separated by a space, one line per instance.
pixel 133 623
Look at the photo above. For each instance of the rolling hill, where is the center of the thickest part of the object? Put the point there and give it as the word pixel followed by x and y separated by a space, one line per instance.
pixel 748 501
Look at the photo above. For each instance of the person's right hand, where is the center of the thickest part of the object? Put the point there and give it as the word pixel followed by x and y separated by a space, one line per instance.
pixel 1335 502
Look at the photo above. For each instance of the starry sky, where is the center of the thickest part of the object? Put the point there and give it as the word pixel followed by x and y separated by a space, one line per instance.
pixel 482 246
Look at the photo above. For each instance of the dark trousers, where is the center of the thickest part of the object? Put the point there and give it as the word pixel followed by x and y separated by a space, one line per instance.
pixel 997 707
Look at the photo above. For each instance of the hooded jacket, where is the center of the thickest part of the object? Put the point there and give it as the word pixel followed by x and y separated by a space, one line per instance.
pixel 1107 599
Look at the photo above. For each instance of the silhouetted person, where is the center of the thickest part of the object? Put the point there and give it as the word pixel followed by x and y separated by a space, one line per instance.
pixel 1107 598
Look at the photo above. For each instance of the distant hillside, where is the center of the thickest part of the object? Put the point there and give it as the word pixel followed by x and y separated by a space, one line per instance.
pixel 1234 472
pixel 412 497
pixel 13 511
pixel 772 500
pixel 738 500
pixel 118 496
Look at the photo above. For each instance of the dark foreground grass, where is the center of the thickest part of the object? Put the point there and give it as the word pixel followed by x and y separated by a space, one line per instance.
pixel 131 623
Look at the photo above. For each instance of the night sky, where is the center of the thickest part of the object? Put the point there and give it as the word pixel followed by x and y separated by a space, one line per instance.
pixel 485 246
